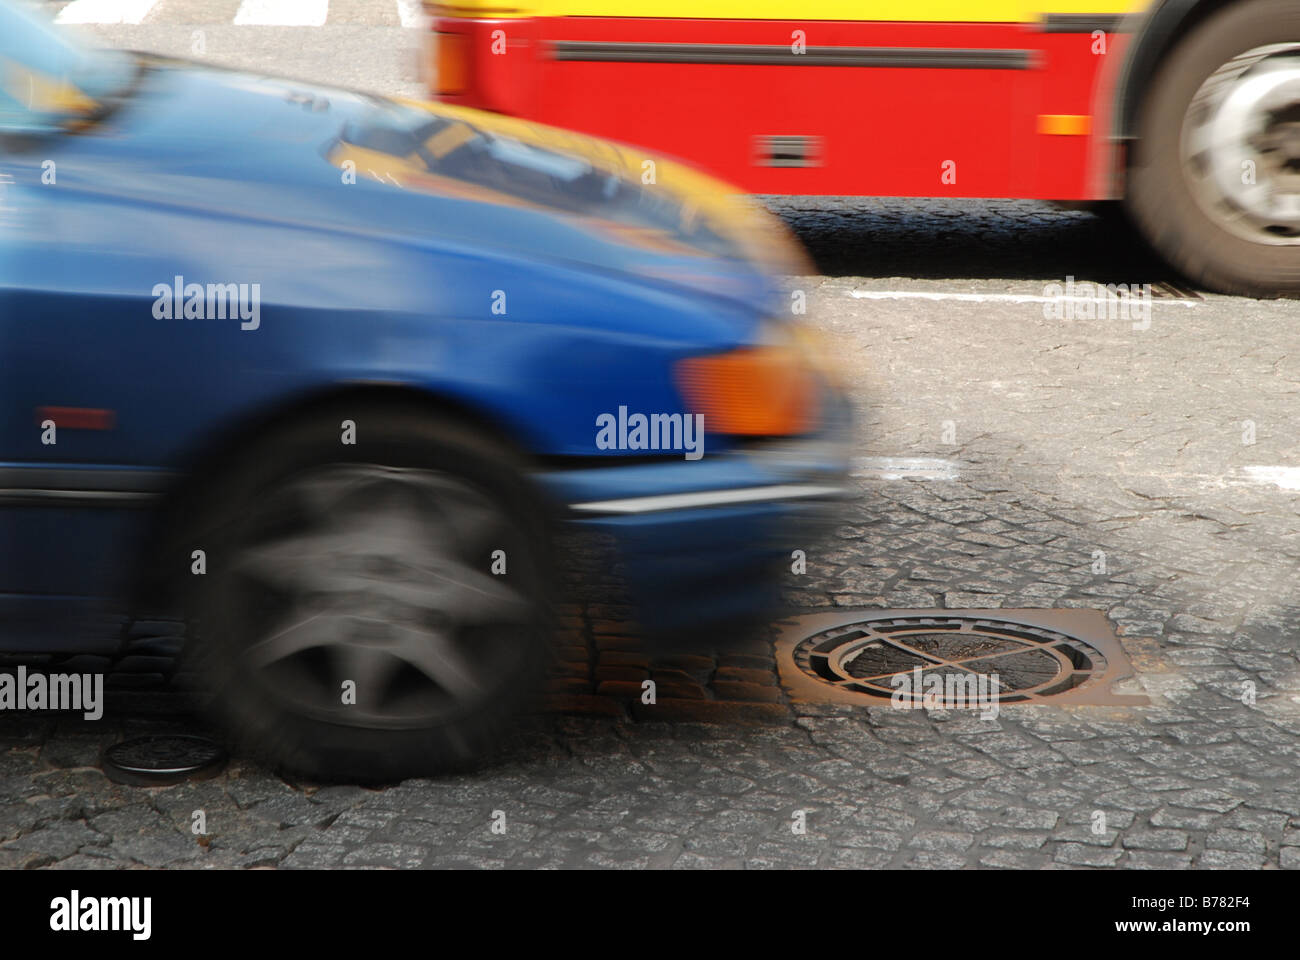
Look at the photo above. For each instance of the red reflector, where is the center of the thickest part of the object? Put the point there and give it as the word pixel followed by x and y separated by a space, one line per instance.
pixel 77 418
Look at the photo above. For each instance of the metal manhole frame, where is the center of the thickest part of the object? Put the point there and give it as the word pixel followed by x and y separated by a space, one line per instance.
pixel 844 644
pixel 1088 627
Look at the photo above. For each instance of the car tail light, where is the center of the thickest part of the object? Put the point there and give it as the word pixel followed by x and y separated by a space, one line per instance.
pixel 451 60
pixel 753 391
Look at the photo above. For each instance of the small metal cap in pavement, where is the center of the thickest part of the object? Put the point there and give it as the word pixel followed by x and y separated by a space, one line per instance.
pixel 161 759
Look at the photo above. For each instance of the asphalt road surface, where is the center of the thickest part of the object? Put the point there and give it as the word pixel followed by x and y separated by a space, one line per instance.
pixel 1145 466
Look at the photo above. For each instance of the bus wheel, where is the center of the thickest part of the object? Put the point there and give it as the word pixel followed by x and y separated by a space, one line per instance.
pixel 1214 182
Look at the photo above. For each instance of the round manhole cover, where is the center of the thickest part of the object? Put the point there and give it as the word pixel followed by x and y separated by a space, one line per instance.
pixel 948 661
pixel 161 759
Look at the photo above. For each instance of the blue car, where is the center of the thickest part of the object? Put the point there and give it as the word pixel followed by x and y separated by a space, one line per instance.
pixel 326 373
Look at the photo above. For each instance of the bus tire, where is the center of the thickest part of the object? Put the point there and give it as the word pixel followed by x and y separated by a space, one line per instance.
pixel 1218 115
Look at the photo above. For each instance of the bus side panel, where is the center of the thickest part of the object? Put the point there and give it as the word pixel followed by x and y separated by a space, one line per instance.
pixel 962 129
pixel 885 131
pixel 1074 114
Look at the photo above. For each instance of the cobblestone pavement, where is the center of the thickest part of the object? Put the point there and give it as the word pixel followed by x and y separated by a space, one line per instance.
pixel 1062 440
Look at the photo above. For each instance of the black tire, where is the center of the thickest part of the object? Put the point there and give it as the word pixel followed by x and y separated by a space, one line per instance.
pixel 1160 196
pixel 370 523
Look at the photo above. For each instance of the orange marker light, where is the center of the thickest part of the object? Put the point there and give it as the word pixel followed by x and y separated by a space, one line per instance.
pixel 754 391
pixel 451 57
pixel 1064 124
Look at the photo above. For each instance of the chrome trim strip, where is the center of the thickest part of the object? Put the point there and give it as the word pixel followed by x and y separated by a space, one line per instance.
pixel 18 497
pixel 709 498
pixel 751 54
pixel 1083 22
pixel 46 486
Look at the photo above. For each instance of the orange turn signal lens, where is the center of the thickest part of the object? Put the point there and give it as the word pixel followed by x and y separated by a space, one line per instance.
pixel 451 58
pixel 753 391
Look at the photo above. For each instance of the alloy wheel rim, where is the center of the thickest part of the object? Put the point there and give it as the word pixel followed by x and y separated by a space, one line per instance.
pixel 380 575
pixel 1240 145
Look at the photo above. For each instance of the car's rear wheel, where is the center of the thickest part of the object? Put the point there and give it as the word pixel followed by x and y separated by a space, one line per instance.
pixel 375 610
pixel 1215 179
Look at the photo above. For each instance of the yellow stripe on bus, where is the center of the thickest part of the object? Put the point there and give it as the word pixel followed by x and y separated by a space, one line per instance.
pixel 914 11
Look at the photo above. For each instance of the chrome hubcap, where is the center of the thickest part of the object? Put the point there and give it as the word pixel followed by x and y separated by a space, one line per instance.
pixel 380 576
pixel 1241 145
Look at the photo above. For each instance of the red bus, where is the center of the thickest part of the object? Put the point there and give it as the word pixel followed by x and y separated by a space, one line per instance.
pixel 1186 110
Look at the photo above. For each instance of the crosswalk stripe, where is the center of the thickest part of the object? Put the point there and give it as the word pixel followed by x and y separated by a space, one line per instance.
pixel 363 13
pixel 268 13
pixel 194 12
pixel 283 13
pixel 105 11
pixel 410 13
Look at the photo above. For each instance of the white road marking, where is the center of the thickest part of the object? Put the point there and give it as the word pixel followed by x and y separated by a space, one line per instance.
pixel 924 468
pixel 105 11
pixel 996 297
pixel 1286 478
pixel 283 13
pixel 410 12
pixel 902 468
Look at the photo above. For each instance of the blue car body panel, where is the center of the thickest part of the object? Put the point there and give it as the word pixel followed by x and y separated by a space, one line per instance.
pixel 538 317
